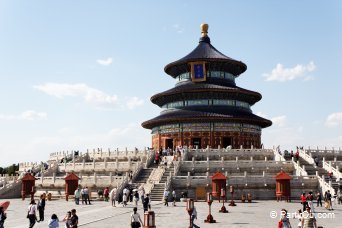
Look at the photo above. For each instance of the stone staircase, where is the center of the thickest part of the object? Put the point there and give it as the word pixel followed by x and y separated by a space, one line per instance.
pixel 158 190
pixel 311 170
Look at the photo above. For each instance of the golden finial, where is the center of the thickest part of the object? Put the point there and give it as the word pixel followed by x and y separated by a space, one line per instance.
pixel 204 29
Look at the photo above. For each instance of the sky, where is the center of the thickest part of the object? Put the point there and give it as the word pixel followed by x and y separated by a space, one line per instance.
pixel 77 75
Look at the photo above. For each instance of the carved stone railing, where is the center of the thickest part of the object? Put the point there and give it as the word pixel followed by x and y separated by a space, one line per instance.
pixel 300 171
pixel 328 167
pixel 307 157
pixel 324 185
pixel 277 156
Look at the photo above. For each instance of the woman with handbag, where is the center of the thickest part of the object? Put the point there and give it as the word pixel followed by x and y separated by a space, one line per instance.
pixel 135 219
pixel 31 213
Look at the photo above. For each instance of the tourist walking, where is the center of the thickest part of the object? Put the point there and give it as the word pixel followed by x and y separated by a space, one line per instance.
pixel 135 219
pixel 73 219
pixel 146 203
pixel 310 202
pixel 303 201
pixel 298 216
pixel 112 196
pixel 136 197
pixel 308 219
pixel 124 198
pixel 106 194
pixel 67 219
pixel 82 195
pixel 166 196
pixel 319 199
pixel 53 222
pixel 31 213
pixel 41 207
pixel 284 221
pixel 174 198
pixel 77 195
pixel 3 217
pixel 193 217
pixel 142 194
pixel 86 195
pixel 328 201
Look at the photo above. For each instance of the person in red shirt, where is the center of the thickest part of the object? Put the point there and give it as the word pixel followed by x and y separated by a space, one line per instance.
pixel 303 201
pixel 106 194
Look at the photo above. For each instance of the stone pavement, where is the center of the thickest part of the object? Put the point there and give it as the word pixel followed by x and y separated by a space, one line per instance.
pixel 102 214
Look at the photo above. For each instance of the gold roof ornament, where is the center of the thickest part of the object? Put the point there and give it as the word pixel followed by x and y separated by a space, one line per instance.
pixel 204 29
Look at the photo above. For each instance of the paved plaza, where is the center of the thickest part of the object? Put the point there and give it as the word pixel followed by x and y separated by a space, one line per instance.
pixel 102 214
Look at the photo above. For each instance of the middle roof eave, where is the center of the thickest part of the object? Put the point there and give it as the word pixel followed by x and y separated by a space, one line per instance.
pixel 160 98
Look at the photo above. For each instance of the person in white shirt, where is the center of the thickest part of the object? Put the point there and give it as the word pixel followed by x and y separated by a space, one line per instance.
pixel 31 213
pixel 112 196
pixel 124 199
pixel 174 198
pixel 135 219
pixel 166 196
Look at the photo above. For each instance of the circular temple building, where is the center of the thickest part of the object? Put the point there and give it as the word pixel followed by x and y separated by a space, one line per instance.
pixel 206 108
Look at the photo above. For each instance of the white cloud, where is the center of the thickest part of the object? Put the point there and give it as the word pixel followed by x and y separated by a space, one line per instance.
pixel 89 95
pixel 279 73
pixel 279 121
pixel 134 102
pixel 264 115
pixel 334 119
pixel 105 62
pixel 26 115
pixel 178 28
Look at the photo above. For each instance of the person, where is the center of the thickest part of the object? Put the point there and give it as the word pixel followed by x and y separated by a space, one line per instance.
pixel 124 198
pixel 53 222
pixel 193 217
pixel 303 201
pixel 328 201
pixel 173 197
pixel 166 196
pixel 77 194
pixel 297 155
pixel 82 195
pixel 3 217
pixel 308 219
pixel 316 161
pixel 67 219
pixel 106 194
pixel 142 194
pixel 86 195
pixel 31 213
pixel 330 175
pixel 339 197
pixel 319 199
pixel 73 219
pixel 112 195
pixel 284 221
pixel 146 203
pixel 136 197
pixel 156 158
pixel 298 216
pixel 309 199
pixel 135 219
pixel 41 207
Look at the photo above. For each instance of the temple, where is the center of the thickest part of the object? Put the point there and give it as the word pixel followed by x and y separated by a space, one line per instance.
pixel 206 108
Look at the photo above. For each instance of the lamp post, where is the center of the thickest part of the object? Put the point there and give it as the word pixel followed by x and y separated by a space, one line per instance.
pixel 223 194
pixel 232 203
pixel 149 220
pixel 210 218
pixel 190 208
